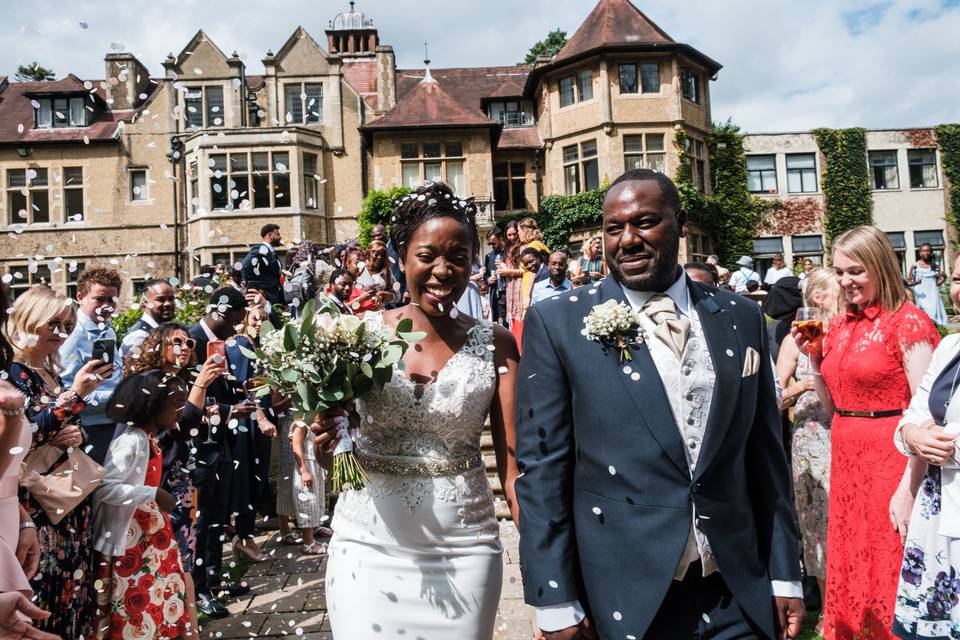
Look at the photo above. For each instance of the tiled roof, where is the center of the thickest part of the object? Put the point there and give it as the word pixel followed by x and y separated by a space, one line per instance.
pixel 612 22
pixel 429 104
pixel 254 82
pixel 17 116
pixel 470 86
pixel 362 76
pixel 520 138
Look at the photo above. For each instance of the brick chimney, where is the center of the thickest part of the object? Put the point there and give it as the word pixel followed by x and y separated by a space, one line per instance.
pixel 126 78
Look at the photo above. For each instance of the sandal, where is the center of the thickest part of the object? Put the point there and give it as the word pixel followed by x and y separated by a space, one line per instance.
pixel 323 532
pixel 289 539
pixel 315 549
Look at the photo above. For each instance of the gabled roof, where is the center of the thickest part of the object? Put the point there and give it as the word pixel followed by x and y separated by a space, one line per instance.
pixel 617 25
pixel 470 86
pixel 613 22
pixel 429 105
pixel 520 138
pixel 297 34
pixel 197 38
pixel 17 115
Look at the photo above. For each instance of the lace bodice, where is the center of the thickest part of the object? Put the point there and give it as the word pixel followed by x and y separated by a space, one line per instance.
pixel 411 426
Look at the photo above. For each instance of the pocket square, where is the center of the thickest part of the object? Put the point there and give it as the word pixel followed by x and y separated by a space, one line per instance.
pixel 751 362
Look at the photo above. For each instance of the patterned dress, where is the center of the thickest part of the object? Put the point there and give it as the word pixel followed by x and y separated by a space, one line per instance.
pixel 811 473
pixel 863 367
pixel 64 583
pixel 149 592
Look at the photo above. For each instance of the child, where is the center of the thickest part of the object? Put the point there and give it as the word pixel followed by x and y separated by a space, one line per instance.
pixel 130 521
pixel 307 488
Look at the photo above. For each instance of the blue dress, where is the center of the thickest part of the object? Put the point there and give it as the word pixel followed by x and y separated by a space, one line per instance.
pixel 928 294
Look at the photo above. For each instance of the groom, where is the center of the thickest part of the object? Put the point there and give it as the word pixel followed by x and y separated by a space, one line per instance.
pixel 655 496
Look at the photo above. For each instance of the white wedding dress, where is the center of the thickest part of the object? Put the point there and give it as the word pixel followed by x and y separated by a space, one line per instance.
pixel 416 553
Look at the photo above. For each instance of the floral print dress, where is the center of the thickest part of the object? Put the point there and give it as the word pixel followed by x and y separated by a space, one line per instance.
pixel 64 584
pixel 811 473
pixel 149 593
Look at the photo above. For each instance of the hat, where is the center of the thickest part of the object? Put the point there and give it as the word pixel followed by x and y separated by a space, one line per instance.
pixel 745 261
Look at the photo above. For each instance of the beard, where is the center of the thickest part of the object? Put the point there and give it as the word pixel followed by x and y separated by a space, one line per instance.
pixel 276 242
pixel 661 272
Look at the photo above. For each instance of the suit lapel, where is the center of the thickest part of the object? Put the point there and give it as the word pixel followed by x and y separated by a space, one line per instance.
pixel 722 341
pixel 647 393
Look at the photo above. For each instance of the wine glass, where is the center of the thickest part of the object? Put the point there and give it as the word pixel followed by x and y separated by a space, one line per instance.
pixel 809 324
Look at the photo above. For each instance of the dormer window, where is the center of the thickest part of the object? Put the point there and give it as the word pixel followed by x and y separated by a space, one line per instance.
pixel 203 107
pixel 513 113
pixel 61 112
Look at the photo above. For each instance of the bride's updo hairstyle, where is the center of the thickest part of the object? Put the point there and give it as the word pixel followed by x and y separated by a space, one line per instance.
pixel 432 200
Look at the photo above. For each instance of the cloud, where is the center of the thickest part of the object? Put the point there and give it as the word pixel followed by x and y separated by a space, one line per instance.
pixel 787 65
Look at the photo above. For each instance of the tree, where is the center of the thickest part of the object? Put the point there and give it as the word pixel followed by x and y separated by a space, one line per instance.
pixel 549 46
pixel 377 208
pixel 33 72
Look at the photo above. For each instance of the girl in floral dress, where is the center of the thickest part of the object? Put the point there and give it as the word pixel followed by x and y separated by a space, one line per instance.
pixel 131 521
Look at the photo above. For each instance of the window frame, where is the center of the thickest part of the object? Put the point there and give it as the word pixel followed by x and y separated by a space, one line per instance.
pixel 310 180
pixel 422 160
pixel 571 80
pixel 645 153
pixel 305 117
pixel 872 155
pixel 205 108
pixel 695 96
pixel 512 180
pixel 29 186
pixel 68 188
pixel 763 173
pixel 911 165
pixel 571 181
pixel 145 195
pixel 27 278
pixel 581 84
pixel 249 174
pixel 802 172
pixel 68 121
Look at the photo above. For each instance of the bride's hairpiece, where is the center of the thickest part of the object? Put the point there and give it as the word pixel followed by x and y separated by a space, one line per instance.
pixel 434 199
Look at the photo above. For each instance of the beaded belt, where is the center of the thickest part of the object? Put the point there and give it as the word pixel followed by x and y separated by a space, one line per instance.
pixel 886 413
pixel 390 465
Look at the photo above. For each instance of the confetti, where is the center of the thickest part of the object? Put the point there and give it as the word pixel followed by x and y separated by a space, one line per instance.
pixel 617 616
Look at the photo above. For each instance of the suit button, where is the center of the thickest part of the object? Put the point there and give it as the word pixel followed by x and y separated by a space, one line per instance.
pixel 692 443
pixel 689 396
pixel 690 420
pixel 694 487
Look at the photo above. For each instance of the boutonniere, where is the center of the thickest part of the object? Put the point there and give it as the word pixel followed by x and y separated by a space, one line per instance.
pixel 614 324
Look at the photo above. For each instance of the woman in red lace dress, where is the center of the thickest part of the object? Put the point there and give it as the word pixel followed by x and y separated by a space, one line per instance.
pixel 870 362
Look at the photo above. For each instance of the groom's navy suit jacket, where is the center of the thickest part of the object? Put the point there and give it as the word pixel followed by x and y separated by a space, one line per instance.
pixel 579 415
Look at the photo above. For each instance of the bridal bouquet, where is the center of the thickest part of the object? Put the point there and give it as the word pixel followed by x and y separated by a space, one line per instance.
pixel 327 360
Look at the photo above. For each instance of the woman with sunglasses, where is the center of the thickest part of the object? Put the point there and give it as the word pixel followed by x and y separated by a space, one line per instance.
pixel 171 349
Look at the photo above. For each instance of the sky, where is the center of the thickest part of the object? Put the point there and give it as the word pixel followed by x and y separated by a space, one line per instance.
pixel 788 65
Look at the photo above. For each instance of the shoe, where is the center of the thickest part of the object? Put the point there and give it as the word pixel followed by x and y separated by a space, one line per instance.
pixel 210 607
pixel 243 552
pixel 232 590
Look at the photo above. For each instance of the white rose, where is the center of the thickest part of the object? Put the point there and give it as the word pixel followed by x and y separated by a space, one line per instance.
pixel 173 611
pixel 147 629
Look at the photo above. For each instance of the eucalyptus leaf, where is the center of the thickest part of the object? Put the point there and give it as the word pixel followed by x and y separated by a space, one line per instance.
pixel 411 336
pixel 405 325
pixel 290 374
pixel 291 338
pixel 248 353
pixel 366 369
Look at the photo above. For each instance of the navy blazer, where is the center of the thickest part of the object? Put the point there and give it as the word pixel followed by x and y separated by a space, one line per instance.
pixel 261 270
pixel 613 540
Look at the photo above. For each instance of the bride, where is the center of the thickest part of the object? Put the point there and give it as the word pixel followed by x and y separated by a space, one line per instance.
pixel 416 552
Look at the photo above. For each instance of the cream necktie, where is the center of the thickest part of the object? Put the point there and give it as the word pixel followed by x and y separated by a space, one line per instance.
pixel 671 329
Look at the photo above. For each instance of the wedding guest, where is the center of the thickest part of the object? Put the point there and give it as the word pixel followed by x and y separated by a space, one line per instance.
pixel 497 286
pixel 39 323
pixel 19 547
pixel 870 363
pixel 170 348
pixel 533 272
pixel 301 285
pixel 590 266
pixel 214 470
pixel 926 595
pixel 361 299
pixel 379 232
pixel 810 445
pixel 702 272
pixel 556 283
pixel 159 306
pixel 745 274
pixel 16 612
pixel 781 304
pixel 925 280
pixel 262 268
pixel 97 291
pixel 251 441
pixel 807 268
pixel 341 288
pixel 510 270
pixel 471 302
pixel 130 513
pixel 722 272
pixel 376 275
pixel 777 271
pixel 308 488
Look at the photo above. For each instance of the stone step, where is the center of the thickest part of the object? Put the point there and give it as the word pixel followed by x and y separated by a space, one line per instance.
pixel 490 461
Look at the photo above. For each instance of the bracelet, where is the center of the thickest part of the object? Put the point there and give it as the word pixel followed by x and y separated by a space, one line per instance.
pixel 67 398
pixel 28 524
pixel 200 386
pixel 9 413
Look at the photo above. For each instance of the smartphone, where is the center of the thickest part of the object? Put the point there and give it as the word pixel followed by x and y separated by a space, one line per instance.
pixel 217 348
pixel 104 350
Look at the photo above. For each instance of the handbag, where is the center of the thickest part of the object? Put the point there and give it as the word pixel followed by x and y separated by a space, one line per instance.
pixel 59 490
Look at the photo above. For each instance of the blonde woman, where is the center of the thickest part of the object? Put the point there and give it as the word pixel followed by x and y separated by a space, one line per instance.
pixel 811 429
pixel 39 323
pixel 870 363
pixel 590 266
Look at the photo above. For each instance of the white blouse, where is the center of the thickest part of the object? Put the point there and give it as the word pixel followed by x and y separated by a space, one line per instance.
pixel 121 491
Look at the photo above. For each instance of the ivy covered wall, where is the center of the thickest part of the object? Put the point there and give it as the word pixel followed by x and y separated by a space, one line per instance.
pixel 948 137
pixel 846 180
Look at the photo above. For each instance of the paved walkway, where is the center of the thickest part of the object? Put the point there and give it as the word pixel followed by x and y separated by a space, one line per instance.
pixel 286 598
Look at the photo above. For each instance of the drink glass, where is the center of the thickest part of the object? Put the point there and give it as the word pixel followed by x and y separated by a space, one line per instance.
pixel 809 324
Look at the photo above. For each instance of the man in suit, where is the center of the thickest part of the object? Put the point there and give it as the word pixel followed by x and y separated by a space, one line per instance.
pixel 497 285
pixel 262 267
pixel 159 307
pixel 225 310
pixel 655 497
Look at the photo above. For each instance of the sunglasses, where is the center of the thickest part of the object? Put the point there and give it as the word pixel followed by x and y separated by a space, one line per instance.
pixel 189 343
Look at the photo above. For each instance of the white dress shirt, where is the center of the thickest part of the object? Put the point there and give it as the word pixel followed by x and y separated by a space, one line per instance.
pixel 690 392
pixel 773 274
